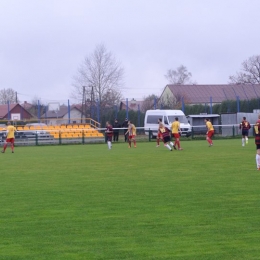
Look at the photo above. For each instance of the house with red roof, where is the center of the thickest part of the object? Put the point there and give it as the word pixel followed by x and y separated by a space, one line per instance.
pixel 14 112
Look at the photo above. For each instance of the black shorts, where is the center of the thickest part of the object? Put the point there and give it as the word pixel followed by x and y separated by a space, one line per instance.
pixel 109 138
pixel 166 139
pixel 257 146
pixel 245 132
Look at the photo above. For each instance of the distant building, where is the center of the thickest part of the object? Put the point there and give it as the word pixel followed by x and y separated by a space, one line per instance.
pixel 27 105
pixel 132 105
pixel 61 116
pixel 16 112
pixel 201 94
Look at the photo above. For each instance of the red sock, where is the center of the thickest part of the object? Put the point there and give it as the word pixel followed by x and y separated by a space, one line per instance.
pixel 158 141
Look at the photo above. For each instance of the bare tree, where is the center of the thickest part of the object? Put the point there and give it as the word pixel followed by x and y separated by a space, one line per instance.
pixel 101 72
pixel 35 107
pixel 180 76
pixel 8 95
pixel 250 72
pixel 148 102
pixel 174 102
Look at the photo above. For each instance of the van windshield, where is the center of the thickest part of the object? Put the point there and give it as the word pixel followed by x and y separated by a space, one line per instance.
pixel 182 119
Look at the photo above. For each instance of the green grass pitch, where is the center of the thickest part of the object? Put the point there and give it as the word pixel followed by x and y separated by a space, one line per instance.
pixel 88 202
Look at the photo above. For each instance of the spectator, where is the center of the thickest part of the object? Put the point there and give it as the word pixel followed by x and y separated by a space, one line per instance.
pixel 115 130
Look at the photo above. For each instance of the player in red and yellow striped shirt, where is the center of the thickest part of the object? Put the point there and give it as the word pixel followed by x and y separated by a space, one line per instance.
pixel 176 132
pixel 10 130
pixel 210 132
pixel 131 134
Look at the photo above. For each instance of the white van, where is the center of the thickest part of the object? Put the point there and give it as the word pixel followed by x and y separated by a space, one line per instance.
pixel 167 116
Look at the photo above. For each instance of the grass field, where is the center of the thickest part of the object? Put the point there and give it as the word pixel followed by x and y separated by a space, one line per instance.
pixel 88 202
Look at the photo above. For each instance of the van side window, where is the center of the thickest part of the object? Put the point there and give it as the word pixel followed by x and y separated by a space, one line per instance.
pixel 165 120
pixel 151 119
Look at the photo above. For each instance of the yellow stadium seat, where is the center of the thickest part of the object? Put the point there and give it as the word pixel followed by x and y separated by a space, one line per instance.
pixel 55 132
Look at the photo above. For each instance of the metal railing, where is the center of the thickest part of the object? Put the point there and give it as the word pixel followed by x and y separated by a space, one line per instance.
pixel 98 135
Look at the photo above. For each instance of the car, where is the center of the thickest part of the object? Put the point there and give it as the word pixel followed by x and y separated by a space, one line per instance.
pixel 28 134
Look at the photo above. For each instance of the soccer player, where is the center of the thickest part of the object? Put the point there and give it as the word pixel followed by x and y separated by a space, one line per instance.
pixel 257 142
pixel 109 133
pixel 166 133
pixel 131 134
pixel 244 126
pixel 9 137
pixel 125 126
pixel 210 132
pixel 176 133
pixel 159 135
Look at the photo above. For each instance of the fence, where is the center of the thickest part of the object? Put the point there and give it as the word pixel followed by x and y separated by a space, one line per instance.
pixel 132 109
pixel 88 135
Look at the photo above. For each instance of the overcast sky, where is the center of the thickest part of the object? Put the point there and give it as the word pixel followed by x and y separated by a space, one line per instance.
pixel 43 42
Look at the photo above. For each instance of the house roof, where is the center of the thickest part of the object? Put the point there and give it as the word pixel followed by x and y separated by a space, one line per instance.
pixel 4 110
pixel 26 105
pixel 202 93
pixel 132 104
pixel 61 112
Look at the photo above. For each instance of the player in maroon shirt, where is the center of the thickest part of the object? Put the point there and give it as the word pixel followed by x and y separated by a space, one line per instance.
pixel 257 142
pixel 166 135
pixel 109 133
pixel 244 126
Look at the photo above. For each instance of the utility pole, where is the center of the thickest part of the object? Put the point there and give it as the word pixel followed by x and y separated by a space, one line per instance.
pixel 83 103
pixel 92 98
pixel 16 99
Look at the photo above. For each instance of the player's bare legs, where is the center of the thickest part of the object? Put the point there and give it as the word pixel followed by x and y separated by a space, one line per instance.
pixel 257 158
